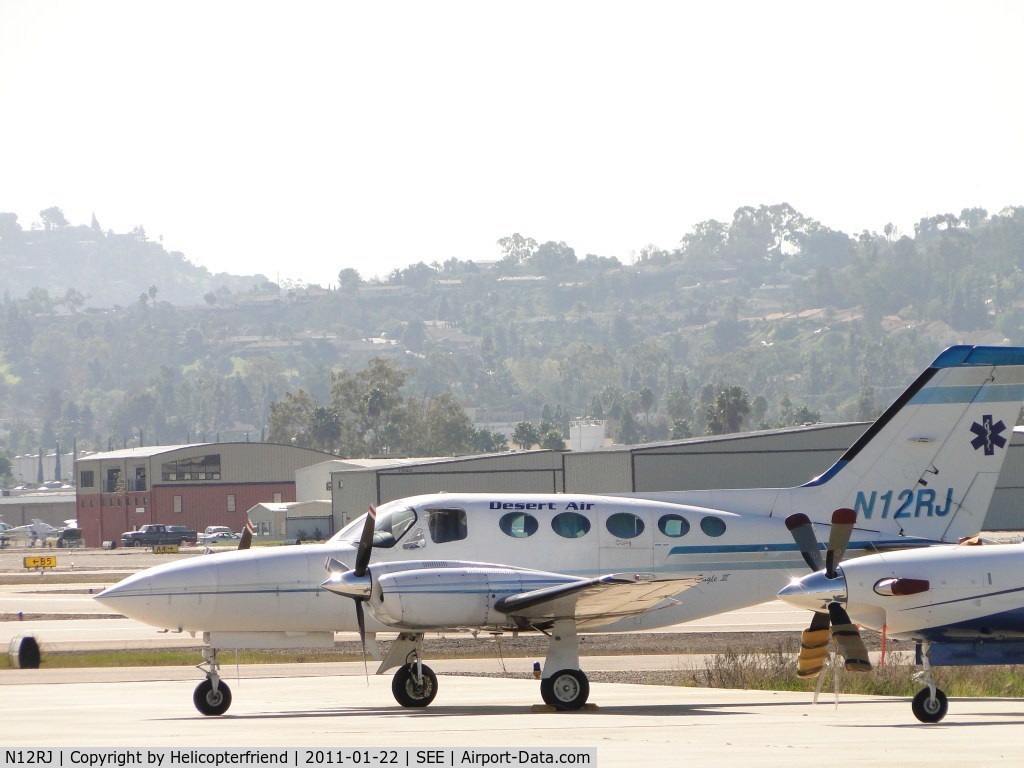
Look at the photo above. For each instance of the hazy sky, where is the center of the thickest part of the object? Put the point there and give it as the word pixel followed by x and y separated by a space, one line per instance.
pixel 299 138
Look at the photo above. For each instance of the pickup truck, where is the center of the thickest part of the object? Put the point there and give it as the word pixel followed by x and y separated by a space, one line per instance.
pixel 150 535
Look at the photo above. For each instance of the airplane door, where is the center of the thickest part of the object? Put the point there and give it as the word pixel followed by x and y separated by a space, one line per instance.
pixel 626 539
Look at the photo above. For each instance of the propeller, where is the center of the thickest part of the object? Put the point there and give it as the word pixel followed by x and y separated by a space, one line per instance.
pixel 834 621
pixel 246 541
pixel 358 582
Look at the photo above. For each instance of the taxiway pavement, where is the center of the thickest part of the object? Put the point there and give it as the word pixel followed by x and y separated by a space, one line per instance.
pixel 632 725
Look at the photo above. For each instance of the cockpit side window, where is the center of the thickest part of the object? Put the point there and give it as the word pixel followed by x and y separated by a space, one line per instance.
pixel 389 528
pixel 446 525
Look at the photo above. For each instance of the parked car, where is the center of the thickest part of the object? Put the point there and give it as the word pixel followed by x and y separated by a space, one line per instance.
pixel 154 533
pixel 186 534
pixel 212 532
pixel 221 537
pixel 70 537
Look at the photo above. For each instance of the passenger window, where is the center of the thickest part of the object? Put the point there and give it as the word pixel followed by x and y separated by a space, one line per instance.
pixel 674 525
pixel 625 525
pixel 446 525
pixel 712 526
pixel 570 525
pixel 518 525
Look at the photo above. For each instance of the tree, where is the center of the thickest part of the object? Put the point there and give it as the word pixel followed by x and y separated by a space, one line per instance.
pixel 289 418
pixel 446 429
pixel 728 411
pixel 53 218
pixel 324 428
pixel 73 300
pixel 629 431
pixel 525 435
pixel 349 281
pixel 551 258
pixel 552 440
pixel 646 402
pixel 485 441
pixel 517 249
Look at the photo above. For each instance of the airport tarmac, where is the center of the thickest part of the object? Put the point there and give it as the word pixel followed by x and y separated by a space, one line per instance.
pixel 632 725
pixel 324 705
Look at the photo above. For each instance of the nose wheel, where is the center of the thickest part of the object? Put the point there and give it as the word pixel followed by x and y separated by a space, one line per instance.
pixel 928 708
pixel 212 696
pixel 211 701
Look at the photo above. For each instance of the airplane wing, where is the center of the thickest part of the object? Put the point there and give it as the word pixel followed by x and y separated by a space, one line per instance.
pixel 596 602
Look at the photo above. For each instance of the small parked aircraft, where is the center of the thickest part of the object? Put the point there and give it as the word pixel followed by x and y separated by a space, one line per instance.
pixel 923 473
pixel 963 605
pixel 35 531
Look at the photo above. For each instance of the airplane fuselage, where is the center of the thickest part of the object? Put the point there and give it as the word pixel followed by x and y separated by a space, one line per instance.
pixel 740 560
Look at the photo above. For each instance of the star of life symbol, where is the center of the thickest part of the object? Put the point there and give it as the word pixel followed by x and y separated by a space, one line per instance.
pixel 988 434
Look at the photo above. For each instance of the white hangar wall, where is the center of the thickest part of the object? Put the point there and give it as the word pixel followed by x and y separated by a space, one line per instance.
pixel 521 472
pixel 746 460
pixel 777 458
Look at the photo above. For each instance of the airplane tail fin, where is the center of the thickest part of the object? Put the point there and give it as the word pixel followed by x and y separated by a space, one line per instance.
pixel 928 466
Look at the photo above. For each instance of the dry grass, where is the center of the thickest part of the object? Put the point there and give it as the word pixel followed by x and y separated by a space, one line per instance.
pixel 775 670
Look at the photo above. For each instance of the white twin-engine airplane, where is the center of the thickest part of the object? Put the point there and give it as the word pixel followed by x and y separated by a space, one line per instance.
pixel 37 530
pixel 923 473
pixel 963 605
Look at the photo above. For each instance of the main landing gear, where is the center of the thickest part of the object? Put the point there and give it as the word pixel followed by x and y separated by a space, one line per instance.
pixel 563 685
pixel 930 704
pixel 566 687
pixel 212 696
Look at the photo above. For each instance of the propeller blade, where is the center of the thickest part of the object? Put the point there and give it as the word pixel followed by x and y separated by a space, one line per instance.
pixel 813 647
pixel 799 526
pixel 848 638
pixel 838 539
pixel 361 621
pixel 246 541
pixel 365 543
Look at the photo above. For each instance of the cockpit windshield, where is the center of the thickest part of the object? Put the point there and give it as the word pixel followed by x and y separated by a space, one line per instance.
pixel 391 525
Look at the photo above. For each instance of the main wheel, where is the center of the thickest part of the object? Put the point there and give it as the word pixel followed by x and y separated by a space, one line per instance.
pixel 209 701
pixel 929 710
pixel 566 689
pixel 410 694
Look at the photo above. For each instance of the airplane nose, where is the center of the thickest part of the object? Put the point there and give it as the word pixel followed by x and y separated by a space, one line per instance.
pixel 168 596
pixel 814 591
pixel 133 597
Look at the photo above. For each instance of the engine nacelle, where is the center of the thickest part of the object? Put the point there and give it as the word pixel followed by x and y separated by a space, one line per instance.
pixel 436 598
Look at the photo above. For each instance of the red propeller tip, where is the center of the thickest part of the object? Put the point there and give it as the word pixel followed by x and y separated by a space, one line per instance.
pixel 844 516
pixel 796 520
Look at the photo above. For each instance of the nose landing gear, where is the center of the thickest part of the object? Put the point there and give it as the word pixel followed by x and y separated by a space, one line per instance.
pixel 212 696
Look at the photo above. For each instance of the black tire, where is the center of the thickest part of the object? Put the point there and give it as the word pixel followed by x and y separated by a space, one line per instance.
pixel 407 693
pixel 211 702
pixel 929 710
pixel 566 689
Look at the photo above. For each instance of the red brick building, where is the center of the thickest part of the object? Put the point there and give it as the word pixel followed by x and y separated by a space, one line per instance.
pixel 194 485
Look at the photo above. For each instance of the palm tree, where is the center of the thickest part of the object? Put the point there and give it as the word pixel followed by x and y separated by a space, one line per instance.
pixel 728 411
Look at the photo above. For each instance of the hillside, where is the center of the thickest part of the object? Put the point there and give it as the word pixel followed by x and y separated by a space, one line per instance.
pixel 86 266
pixel 108 338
